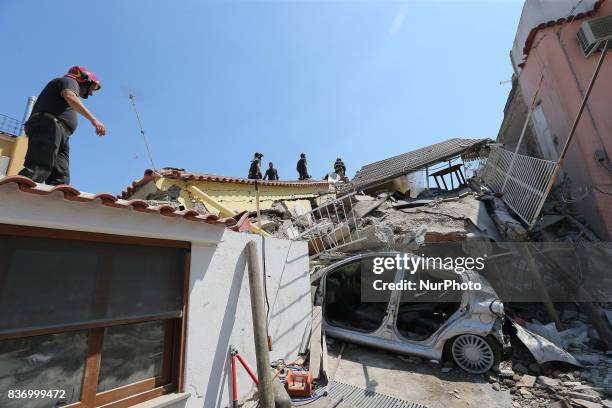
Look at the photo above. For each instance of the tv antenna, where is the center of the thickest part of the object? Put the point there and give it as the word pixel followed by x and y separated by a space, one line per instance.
pixel 142 132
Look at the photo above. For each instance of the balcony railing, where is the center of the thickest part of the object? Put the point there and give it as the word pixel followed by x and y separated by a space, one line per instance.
pixel 523 180
pixel 10 125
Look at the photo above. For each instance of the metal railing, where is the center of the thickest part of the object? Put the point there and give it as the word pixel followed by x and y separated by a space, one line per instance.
pixel 522 180
pixel 330 226
pixel 10 125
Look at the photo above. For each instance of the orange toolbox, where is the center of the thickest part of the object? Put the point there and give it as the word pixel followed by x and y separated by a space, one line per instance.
pixel 299 383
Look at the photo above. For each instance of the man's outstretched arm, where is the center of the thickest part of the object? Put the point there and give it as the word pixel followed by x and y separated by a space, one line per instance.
pixel 75 103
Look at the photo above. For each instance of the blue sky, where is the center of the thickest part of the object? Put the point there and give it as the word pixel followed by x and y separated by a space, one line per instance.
pixel 218 80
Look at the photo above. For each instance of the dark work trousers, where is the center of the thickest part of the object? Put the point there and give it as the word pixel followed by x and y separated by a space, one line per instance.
pixel 46 160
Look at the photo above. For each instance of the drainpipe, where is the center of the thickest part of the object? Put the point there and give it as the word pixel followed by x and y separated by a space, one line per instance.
pixel 27 113
pixel 262 355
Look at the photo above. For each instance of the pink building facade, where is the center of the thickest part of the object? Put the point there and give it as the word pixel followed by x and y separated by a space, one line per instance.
pixel 551 53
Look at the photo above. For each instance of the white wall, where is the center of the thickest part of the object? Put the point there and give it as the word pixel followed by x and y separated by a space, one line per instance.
pixel 219 303
pixel 220 313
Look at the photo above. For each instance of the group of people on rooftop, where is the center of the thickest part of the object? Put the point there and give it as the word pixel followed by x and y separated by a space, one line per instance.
pixel 54 119
pixel 301 167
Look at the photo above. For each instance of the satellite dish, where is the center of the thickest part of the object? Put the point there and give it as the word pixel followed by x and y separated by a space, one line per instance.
pixel 333 177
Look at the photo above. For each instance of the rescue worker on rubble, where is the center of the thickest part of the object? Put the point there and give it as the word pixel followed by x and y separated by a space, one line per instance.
pixel 271 173
pixel 53 120
pixel 340 168
pixel 302 168
pixel 255 169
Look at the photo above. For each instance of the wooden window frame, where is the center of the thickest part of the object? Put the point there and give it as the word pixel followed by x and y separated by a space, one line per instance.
pixel 171 378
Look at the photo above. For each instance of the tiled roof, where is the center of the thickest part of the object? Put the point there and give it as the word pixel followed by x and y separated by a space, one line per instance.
pixel 388 169
pixel 532 34
pixel 150 175
pixel 239 222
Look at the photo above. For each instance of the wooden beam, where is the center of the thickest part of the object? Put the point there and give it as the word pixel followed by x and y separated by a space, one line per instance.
pixel 92 367
pixel 38 232
pixel 223 210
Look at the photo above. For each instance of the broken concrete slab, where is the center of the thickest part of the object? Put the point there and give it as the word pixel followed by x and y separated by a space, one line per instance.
pixel 571 383
pixel 591 396
pixel 363 208
pixel 547 382
pixel 585 404
pixel 526 381
pixel 508 225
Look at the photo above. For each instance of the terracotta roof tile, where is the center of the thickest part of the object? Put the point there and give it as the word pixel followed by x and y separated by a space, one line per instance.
pixel 150 175
pixel 239 222
pixel 532 34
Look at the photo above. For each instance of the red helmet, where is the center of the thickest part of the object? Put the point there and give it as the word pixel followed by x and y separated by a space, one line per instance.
pixel 83 75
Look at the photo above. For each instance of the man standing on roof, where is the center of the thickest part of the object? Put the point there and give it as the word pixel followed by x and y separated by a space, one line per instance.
pixel 271 173
pixel 340 168
pixel 302 168
pixel 255 169
pixel 53 120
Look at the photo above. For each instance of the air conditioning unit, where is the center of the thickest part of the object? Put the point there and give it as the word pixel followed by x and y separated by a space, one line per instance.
pixel 594 33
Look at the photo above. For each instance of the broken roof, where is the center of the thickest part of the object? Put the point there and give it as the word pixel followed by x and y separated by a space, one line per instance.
pixel 180 174
pixel 240 222
pixel 388 169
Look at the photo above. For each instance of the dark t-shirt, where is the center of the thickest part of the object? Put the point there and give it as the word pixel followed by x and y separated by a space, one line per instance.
pixel 253 171
pixel 51 101
pixel 301 165
pixel 271 174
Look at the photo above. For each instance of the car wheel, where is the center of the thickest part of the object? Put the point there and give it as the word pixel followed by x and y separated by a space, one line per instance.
pixel 473 353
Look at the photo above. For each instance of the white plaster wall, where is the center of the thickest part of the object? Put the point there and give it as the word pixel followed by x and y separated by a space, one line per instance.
pixel 53 211
pixel 219 312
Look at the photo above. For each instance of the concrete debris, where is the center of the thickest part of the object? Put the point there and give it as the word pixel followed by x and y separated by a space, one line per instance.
pixel 575 336
pixel 560 367
pixel 506 373
pixel 526 381
pixel 592 396
pixel 547 382
pixel 585 404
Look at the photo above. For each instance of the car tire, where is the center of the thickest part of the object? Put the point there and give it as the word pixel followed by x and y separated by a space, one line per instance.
pixel 474 354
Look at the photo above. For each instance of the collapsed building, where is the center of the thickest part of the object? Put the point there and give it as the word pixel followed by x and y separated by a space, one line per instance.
pixel 551 275
pixel 164 260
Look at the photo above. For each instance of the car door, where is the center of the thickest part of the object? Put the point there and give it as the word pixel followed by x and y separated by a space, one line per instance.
pixel 348 304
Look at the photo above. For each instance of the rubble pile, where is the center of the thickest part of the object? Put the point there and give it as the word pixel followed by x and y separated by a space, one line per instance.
pixel 535 387
pixel 475 213
pixel 471 215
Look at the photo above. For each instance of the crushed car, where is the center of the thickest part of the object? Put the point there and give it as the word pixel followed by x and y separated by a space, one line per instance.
pixel 466 326
pixel 462 325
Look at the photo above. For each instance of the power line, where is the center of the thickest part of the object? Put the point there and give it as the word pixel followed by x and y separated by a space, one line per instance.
pixel 142 132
